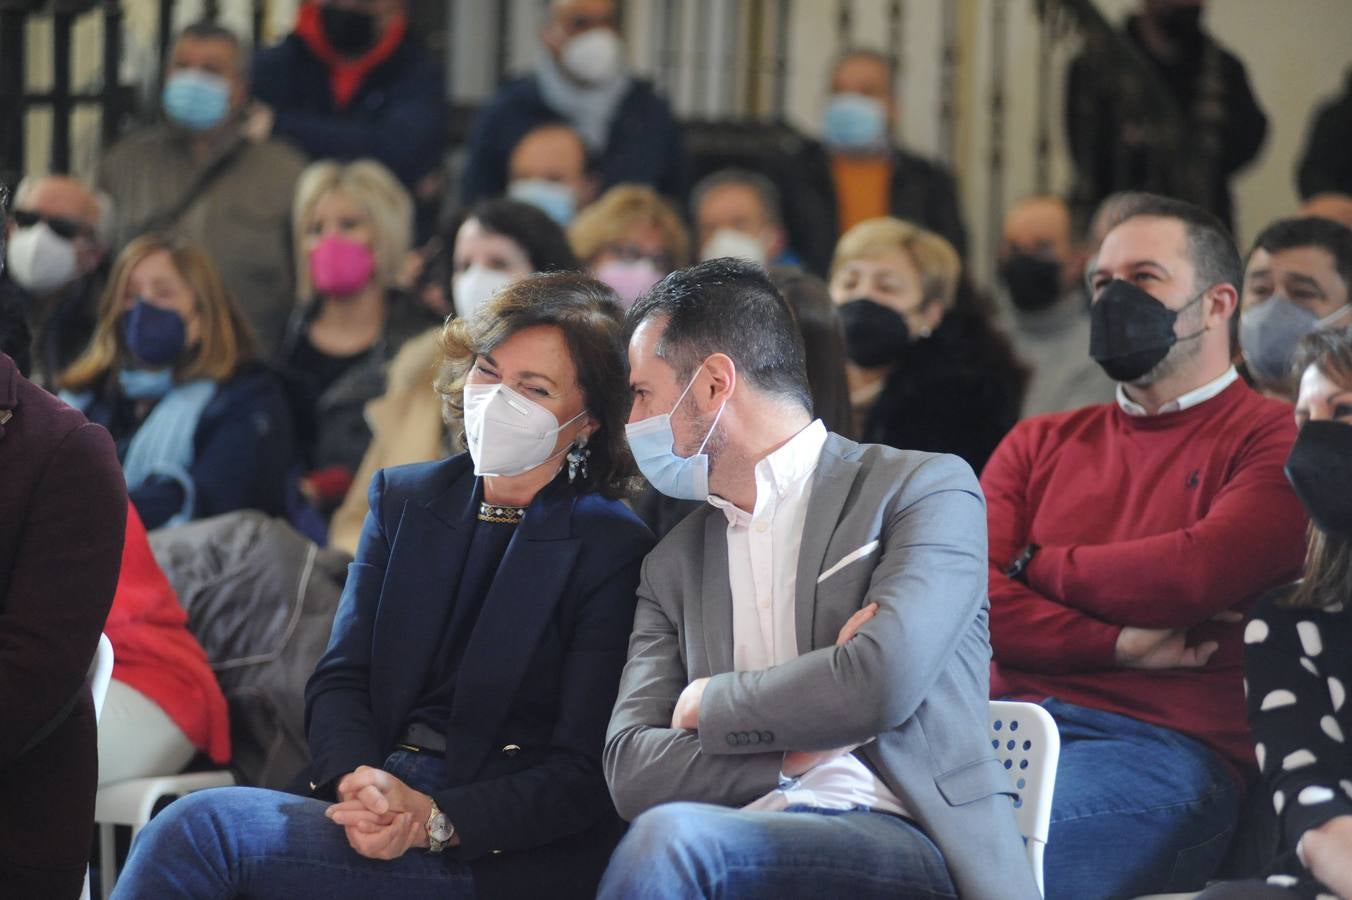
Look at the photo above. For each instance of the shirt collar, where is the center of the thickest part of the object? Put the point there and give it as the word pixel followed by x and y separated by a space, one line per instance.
pixel 778 472
pixel 1186 401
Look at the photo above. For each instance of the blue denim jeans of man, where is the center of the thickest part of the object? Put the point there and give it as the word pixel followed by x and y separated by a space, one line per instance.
pixel 250 842
pixel 1138 809
pixel 686 850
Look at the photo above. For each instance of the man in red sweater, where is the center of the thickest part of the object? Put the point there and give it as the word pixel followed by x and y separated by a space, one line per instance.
pixel 1126 541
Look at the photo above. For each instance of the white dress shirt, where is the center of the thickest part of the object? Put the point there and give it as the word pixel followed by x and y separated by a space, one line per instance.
pixel 1178 404
pixel 763 575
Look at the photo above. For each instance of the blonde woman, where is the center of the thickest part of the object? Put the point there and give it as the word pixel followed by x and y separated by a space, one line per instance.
pixel 172 372
pixel 630 239
pixel 353 228
pixel 925 372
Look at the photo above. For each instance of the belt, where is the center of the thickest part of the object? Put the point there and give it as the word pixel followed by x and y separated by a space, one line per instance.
pixel 422 738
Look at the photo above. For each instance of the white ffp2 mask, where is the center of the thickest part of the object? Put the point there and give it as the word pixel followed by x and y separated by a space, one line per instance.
pixel 507 433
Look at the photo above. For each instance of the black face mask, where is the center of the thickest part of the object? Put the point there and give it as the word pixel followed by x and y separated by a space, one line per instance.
pixel 1034 283
pixel 349 32
pixel 1130 332
pixel 1320 470
pixel 875 335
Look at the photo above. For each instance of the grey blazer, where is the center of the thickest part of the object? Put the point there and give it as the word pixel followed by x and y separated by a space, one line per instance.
pixel 916 676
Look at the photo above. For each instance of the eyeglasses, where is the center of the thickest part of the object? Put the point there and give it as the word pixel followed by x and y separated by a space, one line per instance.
pixel 70 229
pixel 663 262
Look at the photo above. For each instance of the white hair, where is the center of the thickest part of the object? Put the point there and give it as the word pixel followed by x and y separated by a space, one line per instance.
pixel 103 227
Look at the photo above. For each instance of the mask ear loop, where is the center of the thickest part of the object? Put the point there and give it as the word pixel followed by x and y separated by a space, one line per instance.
pixel 1335 315
pixel 1199 332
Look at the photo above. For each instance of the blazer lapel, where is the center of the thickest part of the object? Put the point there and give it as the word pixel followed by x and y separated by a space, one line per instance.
pixel 715 600
pixel 429 549
pixel 524 594
pixel 830 488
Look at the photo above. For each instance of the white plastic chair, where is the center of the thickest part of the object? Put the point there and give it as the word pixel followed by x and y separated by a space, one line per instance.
pixel 1025 738
pixel 98 677
pixel 133 801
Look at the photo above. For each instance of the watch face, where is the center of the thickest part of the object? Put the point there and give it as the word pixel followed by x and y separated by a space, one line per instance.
pixel 438 829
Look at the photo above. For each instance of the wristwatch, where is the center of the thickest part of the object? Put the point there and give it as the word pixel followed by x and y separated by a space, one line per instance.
pixel 1018 569
pixel 439 829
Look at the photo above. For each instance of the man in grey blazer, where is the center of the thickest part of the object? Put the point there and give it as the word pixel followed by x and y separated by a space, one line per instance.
pixel 803 711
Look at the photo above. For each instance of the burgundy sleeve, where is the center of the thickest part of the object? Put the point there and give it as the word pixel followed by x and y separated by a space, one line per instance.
pixel 62 586
pixel 1252 538
pixel 1029 630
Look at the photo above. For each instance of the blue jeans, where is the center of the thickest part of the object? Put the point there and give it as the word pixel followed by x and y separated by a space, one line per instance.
pixel 683 850
pixel 249 842
pixel 1138 809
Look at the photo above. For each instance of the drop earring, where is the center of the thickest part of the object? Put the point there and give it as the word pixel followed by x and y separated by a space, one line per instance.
pixel 577 460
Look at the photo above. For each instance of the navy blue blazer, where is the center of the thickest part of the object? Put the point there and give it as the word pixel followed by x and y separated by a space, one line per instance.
pixel 397 116
pixel 540 671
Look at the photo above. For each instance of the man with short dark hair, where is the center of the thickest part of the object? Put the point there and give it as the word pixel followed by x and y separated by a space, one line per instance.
pixel 200 174
pixel 737 213
pixel 57 249
pixel 804 706
pixel 581 77
pixel 1126 542
pixel 1298 279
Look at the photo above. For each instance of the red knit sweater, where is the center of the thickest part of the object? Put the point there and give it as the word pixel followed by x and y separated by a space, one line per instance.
pixel 154 652
pixel 1157 522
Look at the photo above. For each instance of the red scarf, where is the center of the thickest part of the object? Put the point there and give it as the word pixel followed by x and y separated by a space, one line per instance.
pixel 345 74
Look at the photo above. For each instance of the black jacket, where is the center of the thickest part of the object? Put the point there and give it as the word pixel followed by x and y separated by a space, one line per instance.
pixel 921 191
pixel 1326 166
pixel 1107 101
pixel 957 391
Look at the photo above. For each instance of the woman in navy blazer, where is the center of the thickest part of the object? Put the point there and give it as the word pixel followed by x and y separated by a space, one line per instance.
pixel 456 720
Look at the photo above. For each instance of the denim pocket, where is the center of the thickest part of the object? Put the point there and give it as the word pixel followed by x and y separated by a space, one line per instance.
pixel 1194 865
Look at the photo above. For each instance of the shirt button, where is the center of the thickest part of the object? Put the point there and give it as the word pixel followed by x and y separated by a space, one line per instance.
pixel 762 527
pixel 763 603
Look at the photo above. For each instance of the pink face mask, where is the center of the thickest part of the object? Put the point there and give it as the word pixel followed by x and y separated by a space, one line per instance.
pixel 341 267
pixel 629 278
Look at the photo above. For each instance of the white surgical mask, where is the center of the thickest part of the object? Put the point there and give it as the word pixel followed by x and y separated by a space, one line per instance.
pixel 653 445
pixel 40 260
pixel 593 57
pixel 734 243
pixel 472 288
pixel 507 433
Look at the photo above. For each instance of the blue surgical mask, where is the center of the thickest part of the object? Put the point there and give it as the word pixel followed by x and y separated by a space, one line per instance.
pixel 196 100
pixel 550 197
pixel 855 123
pixel 652 442
pixel 154 335
pixel 145 384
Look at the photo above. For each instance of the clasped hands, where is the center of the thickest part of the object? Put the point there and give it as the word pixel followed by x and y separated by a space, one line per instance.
pixel 796 762
pixel 382 817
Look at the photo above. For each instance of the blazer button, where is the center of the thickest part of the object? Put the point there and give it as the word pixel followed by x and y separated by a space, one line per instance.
pixel 510 750
pixel 732 739
pixel 767 737
pixel 753 737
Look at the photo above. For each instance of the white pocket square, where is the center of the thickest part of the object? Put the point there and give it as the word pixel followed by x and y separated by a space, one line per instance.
pixel 854 556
